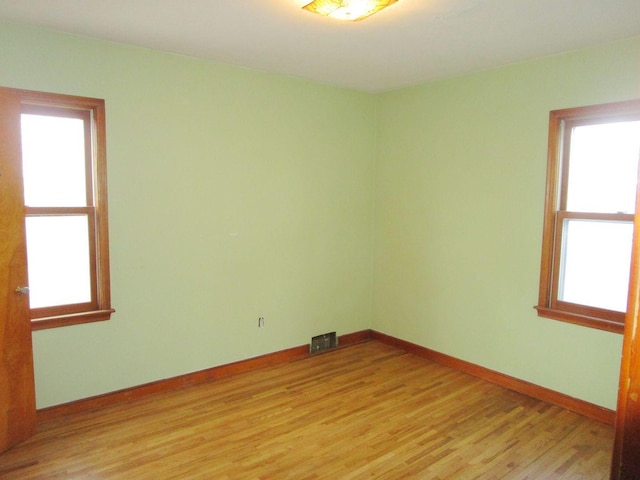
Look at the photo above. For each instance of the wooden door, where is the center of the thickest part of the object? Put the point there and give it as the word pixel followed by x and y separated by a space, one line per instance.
pixel 625 463
pixel 17 392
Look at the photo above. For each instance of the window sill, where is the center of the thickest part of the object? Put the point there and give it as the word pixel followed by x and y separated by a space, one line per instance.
pixel 72 319
pixel 577 319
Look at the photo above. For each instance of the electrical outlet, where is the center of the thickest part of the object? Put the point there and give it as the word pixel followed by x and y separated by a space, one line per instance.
pixel 260 322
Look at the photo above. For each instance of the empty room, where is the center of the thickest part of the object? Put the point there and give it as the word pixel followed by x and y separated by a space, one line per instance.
pixel 278 239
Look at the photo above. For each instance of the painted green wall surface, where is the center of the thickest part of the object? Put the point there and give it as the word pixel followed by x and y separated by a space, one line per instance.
pixel 236 194
pixel 458 218
pixel 233 194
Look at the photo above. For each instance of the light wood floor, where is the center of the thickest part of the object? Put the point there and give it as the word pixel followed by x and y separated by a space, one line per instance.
pixel 367 411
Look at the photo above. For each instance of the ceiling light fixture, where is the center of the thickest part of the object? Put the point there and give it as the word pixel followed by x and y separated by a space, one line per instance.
pixel 347 9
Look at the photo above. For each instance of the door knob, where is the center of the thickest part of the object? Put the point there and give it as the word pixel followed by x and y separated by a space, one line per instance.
pixel 22 290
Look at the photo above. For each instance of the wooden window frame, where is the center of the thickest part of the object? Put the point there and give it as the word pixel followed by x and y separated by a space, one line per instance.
pixel 560 124
pixel 92 110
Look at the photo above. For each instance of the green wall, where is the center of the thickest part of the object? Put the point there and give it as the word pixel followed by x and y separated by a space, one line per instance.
pixel 233 194
pixel 236 194
pixel 458 218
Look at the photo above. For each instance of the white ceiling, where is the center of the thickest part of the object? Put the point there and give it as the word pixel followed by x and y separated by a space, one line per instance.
pixel 411 42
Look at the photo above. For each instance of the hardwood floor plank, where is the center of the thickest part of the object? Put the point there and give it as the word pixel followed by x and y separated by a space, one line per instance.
pixel 367 411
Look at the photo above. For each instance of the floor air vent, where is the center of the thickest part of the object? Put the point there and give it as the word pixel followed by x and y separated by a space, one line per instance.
pixel 324 342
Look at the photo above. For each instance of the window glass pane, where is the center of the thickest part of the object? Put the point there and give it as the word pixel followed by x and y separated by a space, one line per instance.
pixel 53 161
pixel 58 260
pixel 595 264
pixel 603 167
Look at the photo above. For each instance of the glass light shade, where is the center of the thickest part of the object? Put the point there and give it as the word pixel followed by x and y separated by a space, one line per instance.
pixel 347 9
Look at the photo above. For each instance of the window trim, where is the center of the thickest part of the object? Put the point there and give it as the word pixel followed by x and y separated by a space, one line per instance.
pixel 100 308
pixel 560 121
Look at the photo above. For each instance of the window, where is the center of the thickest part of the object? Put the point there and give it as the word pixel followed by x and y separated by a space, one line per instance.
pixel 65 196
pixel 592 175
